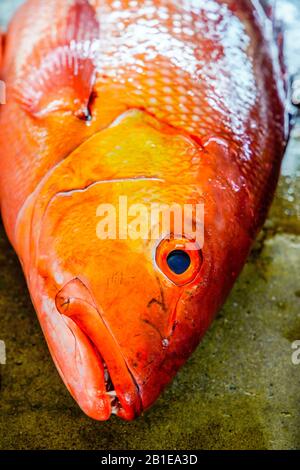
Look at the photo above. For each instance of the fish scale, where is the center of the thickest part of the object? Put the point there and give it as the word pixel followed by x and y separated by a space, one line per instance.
pixel 193 101
pixel 160 101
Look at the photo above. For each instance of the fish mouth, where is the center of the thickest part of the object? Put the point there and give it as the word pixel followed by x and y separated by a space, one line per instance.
pixel 118 389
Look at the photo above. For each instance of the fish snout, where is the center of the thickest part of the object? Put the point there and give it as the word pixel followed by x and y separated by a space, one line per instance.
pixel 118 385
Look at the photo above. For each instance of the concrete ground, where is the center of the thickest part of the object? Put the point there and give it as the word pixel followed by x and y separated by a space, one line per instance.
pixel 240 390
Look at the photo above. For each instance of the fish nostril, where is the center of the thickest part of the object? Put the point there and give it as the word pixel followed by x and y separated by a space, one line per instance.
pixel 178 261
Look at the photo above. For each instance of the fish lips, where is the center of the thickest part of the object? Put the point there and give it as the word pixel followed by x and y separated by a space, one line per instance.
pixel 119 393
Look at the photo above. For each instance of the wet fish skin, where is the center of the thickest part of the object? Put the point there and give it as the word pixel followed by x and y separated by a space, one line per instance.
pixel 159 101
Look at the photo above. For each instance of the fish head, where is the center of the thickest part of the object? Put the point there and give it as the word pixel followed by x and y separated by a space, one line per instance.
pixel 131 268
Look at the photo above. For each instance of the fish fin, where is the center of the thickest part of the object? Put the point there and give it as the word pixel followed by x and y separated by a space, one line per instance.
pixel 278 28
pixel 61 72
pixel 268 7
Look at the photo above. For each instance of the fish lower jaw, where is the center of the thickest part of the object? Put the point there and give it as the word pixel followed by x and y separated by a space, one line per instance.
pixel 110 391
pixel 116 385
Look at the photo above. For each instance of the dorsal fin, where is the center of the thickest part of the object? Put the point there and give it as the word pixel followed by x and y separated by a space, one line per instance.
pixel 61 72
pixel 268 6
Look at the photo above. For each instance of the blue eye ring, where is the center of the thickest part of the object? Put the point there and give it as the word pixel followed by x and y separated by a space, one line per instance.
pixel 178 261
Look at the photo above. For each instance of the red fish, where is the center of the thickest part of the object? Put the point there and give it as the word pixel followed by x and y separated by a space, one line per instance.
pixel 171 102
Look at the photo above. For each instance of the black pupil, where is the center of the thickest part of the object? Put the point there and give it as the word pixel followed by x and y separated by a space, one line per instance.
pixel 178 261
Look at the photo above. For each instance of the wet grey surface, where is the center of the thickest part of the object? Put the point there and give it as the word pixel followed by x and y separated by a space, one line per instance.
pixel 240 390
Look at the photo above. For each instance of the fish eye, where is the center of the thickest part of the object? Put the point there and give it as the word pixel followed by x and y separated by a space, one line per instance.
pixel 177 261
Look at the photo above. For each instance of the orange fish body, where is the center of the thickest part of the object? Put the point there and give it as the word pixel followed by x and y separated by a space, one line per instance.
pixel 159 102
